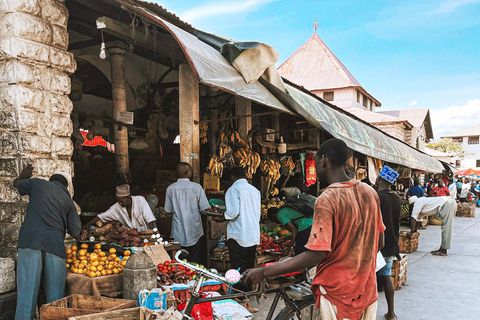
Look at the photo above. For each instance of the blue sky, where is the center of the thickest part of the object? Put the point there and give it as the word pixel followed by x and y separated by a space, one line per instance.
pixel 408 54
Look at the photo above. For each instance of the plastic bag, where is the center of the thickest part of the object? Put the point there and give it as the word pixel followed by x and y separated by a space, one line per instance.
pixel 202 311
pixel 310 171
pixel 153 300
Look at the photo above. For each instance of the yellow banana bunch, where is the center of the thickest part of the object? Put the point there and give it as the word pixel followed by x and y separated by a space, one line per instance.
pixel 223 150
pixel 215 166
pixel 288 163
pixel 274 192
pixel 203 132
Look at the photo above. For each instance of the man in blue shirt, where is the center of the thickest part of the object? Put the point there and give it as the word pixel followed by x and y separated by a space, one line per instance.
pixel 41 251
pixel 416 190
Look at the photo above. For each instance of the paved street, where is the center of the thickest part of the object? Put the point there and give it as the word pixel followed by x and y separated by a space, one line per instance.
pixel 438 287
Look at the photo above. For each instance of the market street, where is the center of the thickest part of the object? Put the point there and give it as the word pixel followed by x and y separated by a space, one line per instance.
pixel 437 287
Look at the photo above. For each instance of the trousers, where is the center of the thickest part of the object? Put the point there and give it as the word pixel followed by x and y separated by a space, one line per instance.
pixel 35 268
pixel 447 214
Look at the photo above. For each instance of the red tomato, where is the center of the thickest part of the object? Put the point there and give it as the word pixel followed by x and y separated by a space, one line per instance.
pixel 166 263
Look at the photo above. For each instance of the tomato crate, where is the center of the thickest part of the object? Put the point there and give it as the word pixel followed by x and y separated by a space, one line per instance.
pixel 399 271
pixel 77 304
pixel 408 241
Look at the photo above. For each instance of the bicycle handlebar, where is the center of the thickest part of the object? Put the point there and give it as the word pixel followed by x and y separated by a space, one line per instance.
pixel 198 270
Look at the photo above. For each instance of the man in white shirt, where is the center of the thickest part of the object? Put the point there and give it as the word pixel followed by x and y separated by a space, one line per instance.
pixel 184 199
pixel 445 207
pixel 130 211
pixel 243 203
pixel 465 192
pixel 452 188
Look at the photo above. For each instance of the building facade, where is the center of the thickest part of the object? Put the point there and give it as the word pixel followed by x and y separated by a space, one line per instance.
pixel 470 141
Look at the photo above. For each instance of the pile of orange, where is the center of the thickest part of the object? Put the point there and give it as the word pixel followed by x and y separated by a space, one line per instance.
pixel 97 263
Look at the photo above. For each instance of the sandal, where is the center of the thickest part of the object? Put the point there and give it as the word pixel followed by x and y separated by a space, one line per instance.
pixel 386 317
pixel 439 253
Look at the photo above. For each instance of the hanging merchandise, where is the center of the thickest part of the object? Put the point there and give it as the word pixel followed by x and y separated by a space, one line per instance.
pixel 303 157
pixel 310 171
pixel 271 169
pixel 203 131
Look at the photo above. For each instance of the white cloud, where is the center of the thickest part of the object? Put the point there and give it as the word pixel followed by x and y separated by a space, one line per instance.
pixel 452 5
pixel 454 118
pixel 413 103
pixel 219 8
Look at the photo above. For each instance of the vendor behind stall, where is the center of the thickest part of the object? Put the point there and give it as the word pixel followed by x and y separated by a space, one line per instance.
pixel 130 211
pixel 294 221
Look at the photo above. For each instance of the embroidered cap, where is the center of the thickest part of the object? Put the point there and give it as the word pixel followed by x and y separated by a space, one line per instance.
pixel 123 190
pixel 388 174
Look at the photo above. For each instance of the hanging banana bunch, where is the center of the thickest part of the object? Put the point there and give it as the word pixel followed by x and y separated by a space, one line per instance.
pixel 288 163
pixel 215 167
pixel 271 170
pixel 203 132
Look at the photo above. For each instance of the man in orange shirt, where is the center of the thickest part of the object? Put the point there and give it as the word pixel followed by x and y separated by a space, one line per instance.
pixel 347 233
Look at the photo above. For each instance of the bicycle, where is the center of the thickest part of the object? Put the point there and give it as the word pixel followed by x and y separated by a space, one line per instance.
pixel 299 303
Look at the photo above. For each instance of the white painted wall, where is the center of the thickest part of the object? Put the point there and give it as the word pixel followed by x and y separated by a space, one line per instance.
pixel 472 155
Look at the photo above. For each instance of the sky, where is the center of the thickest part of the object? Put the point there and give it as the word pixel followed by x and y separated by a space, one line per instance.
pixel 407 54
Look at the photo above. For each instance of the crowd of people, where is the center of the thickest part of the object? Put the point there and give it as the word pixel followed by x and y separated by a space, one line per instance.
pixel 351 223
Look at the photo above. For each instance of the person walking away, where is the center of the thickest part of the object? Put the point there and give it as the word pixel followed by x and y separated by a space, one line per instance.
pixel 184 199
pixel 243 202
pixel 465 192
pixel 130 211
pixel 347 233
pixel 41 250
pixel 441 190
pixel 390 206
pixel 445 207
pixel 416 190
pixel 452 188
pixel 459 184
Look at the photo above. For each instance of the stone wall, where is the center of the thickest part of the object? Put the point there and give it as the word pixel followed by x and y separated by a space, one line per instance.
pixel 35 125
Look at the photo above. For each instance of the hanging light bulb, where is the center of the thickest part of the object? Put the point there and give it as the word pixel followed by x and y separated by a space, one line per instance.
pixel 103 55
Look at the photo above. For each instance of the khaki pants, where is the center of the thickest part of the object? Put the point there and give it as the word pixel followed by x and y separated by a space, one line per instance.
pixel 328 311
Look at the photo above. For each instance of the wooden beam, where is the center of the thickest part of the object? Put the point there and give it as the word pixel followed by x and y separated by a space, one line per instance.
pixel 119 100
pixel 189 114
pixel 162 44
pixel 243 107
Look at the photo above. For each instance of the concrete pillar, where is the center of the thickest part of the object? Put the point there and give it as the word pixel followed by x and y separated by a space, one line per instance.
pixel 189 112
pixel 243 107
pixel 35 125
pixel 119 101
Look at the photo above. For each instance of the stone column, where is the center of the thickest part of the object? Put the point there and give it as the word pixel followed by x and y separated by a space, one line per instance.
pixel 119 100
pixel 189 112
pixel 35 125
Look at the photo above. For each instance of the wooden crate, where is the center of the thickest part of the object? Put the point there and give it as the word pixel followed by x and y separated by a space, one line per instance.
pixel 140 313
pixel 408 241
pixel 466 209
pixel 399 271
pixel 77 304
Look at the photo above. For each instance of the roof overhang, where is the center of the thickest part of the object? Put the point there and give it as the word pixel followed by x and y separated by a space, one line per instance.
pixel 359 135
pixel 207 63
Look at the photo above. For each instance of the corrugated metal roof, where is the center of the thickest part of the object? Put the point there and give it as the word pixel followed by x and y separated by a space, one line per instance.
pixel 471 131
pixel 164 13
pixel 415 116
pixel 316 67
pixel 375 117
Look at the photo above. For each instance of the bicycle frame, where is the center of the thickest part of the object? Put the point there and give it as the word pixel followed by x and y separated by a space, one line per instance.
pixel 204 275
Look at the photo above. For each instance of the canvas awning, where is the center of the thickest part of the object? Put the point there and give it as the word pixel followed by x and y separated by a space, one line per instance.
pixel 360 136
pixel 212 68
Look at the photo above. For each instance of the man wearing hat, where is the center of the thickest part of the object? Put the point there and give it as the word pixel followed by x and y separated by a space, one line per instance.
pixel 130 211
pixel 445 207
pixel 390 206
pixel 41 251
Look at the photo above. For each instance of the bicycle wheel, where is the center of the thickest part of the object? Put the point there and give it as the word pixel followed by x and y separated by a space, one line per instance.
pixel 307 311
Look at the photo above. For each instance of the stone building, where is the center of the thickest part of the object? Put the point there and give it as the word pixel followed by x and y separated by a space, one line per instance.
pixel 35 125
pixel 315 67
